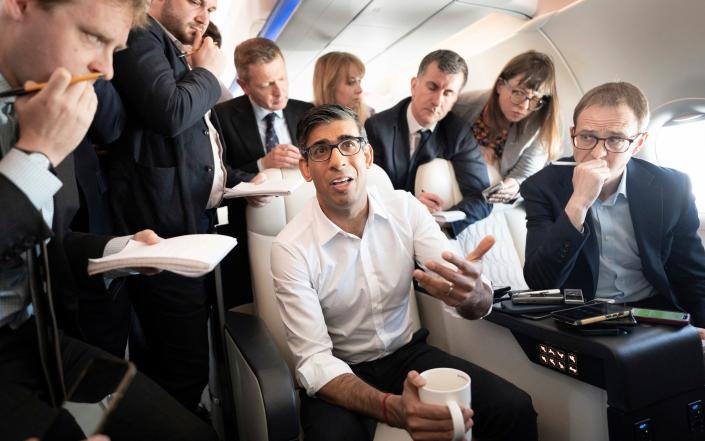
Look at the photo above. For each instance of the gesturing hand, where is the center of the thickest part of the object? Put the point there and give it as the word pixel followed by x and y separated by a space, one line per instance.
pixel 461 288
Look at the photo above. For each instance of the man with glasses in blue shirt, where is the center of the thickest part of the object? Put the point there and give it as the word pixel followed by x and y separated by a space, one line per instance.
pixel 614 226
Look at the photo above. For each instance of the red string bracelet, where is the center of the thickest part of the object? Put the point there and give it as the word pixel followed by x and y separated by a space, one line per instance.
pixel 384 407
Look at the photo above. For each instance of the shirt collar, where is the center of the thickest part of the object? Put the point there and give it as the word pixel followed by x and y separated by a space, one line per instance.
pixel 261 112
pixel 413 125
pixel 327 230
pixel 179 45
pixel 621 189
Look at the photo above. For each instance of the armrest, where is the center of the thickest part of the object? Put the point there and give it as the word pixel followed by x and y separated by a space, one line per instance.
pixel 263 391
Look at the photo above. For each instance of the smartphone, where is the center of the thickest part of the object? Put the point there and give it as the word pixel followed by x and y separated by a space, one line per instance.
pixel 592 313
pixel 546 297
pixel 487 192
pixel 573 296
pixel 674 318
pixel 97 392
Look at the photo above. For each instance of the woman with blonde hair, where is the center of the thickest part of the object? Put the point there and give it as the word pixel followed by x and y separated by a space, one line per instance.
pixel 515 122
pixel 337 79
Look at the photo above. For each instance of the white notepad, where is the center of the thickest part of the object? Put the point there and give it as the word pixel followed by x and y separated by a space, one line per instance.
pixel 443 217
pixel 192 255
pixel 270 187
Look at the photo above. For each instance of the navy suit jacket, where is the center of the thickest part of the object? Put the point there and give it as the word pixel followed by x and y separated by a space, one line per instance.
pixel 244 145
pixel 665 222
pixel 452 139
pixel 161 169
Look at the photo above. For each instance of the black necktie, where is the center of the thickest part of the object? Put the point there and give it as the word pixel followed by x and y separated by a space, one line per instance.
pixel 270 136
pixel 424 134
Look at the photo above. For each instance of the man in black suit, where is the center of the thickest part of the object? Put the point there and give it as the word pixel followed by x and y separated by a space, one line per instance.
pixel 39 265
pixel 259 129
pixel 423 127
pixel 615 226
pixel 167 173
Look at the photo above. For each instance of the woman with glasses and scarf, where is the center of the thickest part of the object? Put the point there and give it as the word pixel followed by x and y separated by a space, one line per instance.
pixel 516 125
pixel 516 122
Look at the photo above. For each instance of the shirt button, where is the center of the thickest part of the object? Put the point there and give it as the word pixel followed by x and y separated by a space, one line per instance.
pixel 209 169
pixel 206 132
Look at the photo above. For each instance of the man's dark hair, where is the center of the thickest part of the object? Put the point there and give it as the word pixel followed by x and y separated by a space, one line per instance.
pixel 213 32
pixel 324 114
pixel 447 61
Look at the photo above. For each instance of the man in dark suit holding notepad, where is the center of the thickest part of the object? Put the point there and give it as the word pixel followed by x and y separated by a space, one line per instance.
pixel 167 173
pixel 39 265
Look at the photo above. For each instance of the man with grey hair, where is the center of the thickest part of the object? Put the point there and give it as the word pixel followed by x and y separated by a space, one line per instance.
pixel 615 226
pixel 41 261
pixel 423 127
pixel 342 269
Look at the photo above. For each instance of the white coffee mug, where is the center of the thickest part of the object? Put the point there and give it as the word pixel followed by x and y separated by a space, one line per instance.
pixel 449 387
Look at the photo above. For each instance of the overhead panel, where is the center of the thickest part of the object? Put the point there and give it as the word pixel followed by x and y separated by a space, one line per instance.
pixel 383 33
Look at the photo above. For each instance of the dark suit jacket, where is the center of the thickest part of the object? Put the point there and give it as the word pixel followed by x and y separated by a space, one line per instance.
pixel 94 214
pixel 161 169
pixel 665 222
pixel 452 139
pixel 244 145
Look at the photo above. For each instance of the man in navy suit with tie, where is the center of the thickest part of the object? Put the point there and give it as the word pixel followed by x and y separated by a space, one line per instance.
pixel 421 128
pixel 259 129
pixel 615 226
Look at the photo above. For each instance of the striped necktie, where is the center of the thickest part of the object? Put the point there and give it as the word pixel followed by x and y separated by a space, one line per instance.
pixel 270 136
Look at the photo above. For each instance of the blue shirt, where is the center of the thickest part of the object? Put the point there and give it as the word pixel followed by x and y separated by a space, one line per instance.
pixel 620 274
pixel 30 173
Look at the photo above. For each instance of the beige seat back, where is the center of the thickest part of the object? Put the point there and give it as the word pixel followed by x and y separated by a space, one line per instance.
pixel 263 225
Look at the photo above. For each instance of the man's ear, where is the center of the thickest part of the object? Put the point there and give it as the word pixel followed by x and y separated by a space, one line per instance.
pixel 243 85
pixel 15 9
pixel 369 156
pixel 640 143
pixel 303 167
pixel 413 85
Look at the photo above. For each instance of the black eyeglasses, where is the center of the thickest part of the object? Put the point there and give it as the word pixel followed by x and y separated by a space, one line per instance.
pixel 321 151
pixel 614 144
pixel 518 97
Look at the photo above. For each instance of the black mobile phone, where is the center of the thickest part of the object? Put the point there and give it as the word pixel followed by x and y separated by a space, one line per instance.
pixel 673 318
pixel 573 296
pixel 97 392
pixel 487 192
pixel 592 313
pixel 546 297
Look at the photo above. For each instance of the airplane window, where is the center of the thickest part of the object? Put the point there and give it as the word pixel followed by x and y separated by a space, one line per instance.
pixel 682 146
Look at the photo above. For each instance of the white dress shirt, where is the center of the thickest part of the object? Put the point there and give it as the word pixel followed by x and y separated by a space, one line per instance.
pixel 621 275
pixel 345 299
pixel 414 127
pixel 280 127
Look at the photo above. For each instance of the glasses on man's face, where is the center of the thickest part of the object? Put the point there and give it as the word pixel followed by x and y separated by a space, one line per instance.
pixel 518 97
pixel 321 151
pixel 614 144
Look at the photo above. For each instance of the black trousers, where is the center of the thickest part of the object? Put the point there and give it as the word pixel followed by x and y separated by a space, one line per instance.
pixel 146 412
pixel 502 410
pixel 173 313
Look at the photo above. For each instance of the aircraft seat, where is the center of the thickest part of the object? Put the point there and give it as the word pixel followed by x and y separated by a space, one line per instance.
pixel 260 361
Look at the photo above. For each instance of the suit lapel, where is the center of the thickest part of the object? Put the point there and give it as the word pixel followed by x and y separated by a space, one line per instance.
pixel 646 208
pixel 248 127
pixel 401 148
pixel 291 121
pixel 590 250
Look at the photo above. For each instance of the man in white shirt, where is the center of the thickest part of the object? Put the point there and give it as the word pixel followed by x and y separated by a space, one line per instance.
pixel 342 271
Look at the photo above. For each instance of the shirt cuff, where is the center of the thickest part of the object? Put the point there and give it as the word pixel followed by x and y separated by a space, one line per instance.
pixel 115 245
pixel 319 370
pixel 259 164
pixel 30 173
